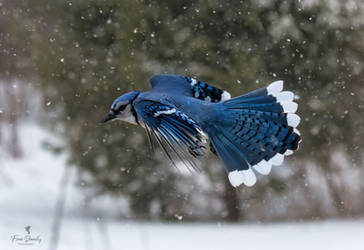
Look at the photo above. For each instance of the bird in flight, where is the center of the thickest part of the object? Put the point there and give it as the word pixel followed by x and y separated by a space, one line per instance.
pixel 249 133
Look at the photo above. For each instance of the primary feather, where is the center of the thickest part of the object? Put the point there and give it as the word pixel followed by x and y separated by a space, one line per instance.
pixel 180 137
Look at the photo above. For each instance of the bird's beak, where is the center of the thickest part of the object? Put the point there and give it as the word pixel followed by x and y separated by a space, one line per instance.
pixel 109 117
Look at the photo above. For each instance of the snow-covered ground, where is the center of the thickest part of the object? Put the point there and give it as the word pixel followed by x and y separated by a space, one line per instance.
pixel 28 192
pixel 89 234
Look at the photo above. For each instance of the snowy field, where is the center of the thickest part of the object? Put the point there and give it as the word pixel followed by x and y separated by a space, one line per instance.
pixel 28 192
pixel 88 234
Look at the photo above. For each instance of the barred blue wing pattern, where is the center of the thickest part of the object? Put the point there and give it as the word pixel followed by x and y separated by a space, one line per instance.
pixel 180 137
pixel 206 92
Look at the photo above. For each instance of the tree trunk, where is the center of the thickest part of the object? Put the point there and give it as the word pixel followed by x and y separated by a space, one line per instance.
pixel 334 190
pixel 231 200
pixel 59 209
pixel 13 120
pixel 336 197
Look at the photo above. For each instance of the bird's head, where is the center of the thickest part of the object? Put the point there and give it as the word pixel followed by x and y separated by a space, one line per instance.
pixel 122 109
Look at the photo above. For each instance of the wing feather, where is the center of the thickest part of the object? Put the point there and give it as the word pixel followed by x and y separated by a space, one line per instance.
pixel 179 136
pixel 189 87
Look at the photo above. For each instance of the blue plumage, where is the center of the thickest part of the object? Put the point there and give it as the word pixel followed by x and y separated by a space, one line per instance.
pixel 249 132
pixel 206 92
pixel 179 135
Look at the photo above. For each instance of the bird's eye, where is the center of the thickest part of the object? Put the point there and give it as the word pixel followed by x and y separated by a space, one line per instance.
pixel 119 108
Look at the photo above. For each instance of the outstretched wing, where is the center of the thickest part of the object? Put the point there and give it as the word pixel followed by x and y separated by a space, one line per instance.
pixel 180 137
pixel 188 86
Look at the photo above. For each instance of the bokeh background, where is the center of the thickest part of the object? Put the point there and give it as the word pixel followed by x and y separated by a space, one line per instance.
pixel 62 63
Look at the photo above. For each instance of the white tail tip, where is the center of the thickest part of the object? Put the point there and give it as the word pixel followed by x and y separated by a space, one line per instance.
pixel 288 152
pixel 289 107
pixel 275 87
pixel 263 167
pixel 247 177
pixel 277 159
pixel 293 120
pixel 285 96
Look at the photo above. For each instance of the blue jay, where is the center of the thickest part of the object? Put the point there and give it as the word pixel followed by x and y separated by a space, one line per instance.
pixel 248 133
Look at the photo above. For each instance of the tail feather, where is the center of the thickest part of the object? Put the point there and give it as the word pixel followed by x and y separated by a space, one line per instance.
pixel 235 162
pixel 261 131
pixel 268 107
pixel 232 158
